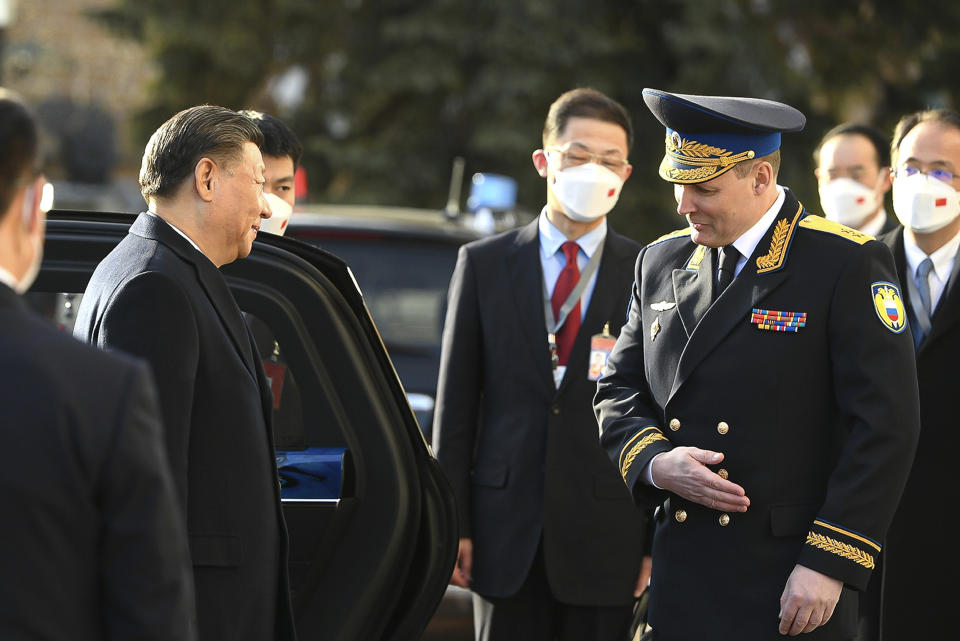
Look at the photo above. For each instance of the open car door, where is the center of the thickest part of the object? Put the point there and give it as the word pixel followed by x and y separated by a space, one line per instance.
pixel 371 518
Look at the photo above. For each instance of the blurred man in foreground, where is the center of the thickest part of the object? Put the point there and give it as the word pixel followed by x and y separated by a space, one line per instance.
pixel 93 545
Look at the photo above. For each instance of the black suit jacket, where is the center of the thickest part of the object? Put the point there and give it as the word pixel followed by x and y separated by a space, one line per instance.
pixel 915 607
pixel 157 297
pixel 818 425
pixel 521 454
pixel 91 538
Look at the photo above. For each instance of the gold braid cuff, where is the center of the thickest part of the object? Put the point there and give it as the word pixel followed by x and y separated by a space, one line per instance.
pixel 849 552
pixel 638 447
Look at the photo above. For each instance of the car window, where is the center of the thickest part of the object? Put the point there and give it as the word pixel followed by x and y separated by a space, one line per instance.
pixel 404 283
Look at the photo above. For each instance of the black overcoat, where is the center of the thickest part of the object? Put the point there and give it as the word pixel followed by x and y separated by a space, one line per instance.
pixel 157 297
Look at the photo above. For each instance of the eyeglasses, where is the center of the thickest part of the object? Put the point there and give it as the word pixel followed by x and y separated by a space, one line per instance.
pixel 942 175
pixel 575 156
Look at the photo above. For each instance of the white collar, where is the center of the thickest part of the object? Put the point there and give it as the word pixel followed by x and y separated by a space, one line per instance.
pixel 8 279
pixel 178 230
pixel 749 240
pixel 942 258
pixel 552 238
pixel 875 227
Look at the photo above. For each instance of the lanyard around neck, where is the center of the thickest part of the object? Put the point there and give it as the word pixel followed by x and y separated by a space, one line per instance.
pixel 554 324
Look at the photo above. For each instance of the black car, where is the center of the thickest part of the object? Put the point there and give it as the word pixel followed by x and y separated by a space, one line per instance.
pixel 402 260
pixel 371 517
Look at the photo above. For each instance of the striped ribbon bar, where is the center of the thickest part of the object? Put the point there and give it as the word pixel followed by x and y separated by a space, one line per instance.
pixel 777 321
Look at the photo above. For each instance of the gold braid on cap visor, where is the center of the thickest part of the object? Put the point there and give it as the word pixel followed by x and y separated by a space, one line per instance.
pixel 708 161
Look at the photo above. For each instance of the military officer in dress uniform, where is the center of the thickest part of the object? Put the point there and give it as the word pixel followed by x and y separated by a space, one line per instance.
pixel 752 393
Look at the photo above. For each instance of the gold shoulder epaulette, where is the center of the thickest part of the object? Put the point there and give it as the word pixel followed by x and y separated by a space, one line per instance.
pixel 819 223
pixel 674 234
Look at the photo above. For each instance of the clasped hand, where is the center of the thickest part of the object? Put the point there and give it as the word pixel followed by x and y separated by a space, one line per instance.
pixel 684 471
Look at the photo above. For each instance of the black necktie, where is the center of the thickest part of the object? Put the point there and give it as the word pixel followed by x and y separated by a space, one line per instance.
pixel 728 264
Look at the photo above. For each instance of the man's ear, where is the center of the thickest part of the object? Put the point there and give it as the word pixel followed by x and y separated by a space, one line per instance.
pixel 886 181
pixel 540 162
pixel 31 206
pixel 205 177
pixel 762 177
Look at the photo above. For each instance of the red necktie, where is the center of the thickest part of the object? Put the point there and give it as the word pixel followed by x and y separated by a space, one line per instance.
pixel 566 281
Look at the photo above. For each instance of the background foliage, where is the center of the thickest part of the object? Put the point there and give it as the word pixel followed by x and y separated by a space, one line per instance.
pixel 396 89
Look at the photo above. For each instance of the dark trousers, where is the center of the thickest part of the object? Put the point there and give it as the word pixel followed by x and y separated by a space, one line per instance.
pixel 533 614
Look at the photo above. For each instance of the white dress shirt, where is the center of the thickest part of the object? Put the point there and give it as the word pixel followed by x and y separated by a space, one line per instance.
pixel 875 227
pixel 942 259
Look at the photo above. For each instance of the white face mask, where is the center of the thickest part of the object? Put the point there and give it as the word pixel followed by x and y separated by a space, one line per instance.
pixel 277 223
pixel 587 191
pixel 924 204
pixel 848 202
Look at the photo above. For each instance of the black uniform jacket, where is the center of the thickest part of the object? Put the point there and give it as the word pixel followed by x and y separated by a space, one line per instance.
pixel 818 425
pixel 93 545
pixel 157 297
pixel 917 603
pixel 522 455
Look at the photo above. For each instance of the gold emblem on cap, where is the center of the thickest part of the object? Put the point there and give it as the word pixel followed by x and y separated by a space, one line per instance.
pixel 691 152
pixel 704 161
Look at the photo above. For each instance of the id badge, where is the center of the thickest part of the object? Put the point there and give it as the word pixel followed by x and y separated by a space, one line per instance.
pixel 600 347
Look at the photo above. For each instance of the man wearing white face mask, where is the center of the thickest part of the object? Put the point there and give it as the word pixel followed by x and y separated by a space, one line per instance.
pixel 853 173
pixel 281 156
pixel 926 157
pixel 550 542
